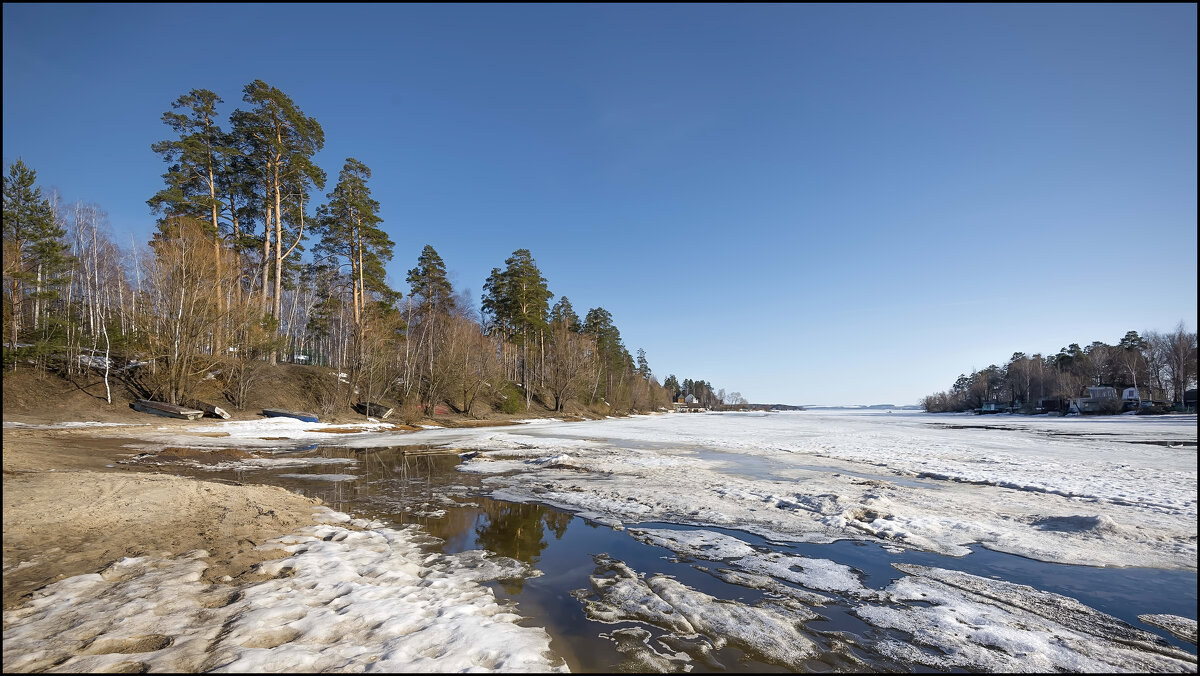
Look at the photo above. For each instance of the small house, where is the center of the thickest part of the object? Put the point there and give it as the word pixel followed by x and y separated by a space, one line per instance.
pixel 1098 400
pixel 1131 399
pixel 688 404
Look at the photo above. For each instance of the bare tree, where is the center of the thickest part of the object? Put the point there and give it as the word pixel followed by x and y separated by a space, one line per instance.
pixel 1181 360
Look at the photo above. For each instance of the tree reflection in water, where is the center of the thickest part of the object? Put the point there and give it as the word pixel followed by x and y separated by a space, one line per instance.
pixel 518 531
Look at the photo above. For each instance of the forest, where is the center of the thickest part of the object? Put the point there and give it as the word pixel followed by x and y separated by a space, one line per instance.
pixel 224 291
pixel 1160 365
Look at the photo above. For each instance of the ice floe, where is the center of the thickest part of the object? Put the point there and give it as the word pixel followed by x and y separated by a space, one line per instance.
pixel 620 594
pixel 962 621
pixel 1180 627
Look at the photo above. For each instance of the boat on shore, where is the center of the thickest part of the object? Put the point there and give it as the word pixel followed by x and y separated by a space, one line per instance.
pixel 370 408
pixel 167 410
pixel 299 415
pixel 211 409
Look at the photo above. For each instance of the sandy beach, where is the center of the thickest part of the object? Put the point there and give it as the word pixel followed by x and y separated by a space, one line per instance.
pixel 70 510
pixel 112 569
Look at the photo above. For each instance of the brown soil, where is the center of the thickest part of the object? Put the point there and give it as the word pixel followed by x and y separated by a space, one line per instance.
pixel 36 397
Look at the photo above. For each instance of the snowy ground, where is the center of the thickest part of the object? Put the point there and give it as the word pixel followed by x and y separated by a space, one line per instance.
pixel 1105 492
pixel 352 596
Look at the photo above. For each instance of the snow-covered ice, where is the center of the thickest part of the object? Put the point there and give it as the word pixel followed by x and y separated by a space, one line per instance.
pixel 964 621
pixel 1093 492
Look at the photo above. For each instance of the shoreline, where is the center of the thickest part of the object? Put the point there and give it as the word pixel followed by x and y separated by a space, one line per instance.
pixel 69 508
pixel 111 568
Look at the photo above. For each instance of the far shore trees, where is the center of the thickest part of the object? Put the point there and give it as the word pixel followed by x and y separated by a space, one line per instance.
pixel 1160 366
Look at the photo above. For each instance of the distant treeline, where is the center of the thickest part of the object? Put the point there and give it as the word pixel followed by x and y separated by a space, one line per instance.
pixel 222 291
pixel 1162 366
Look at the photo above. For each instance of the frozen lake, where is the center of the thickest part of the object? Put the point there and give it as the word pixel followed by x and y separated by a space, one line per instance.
pixel 802 541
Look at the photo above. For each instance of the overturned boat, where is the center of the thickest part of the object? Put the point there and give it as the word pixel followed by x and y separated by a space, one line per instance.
pixel 167 410
pixel 299 415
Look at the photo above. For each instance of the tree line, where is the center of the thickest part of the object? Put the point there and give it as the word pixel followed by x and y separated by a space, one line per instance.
pixel 1160 365
pixel 223 290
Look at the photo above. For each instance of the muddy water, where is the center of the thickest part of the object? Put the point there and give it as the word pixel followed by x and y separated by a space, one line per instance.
pixel 420 485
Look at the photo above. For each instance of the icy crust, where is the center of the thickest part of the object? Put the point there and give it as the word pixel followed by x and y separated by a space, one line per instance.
pixel 816 574
pixel 1056 497
pixel 1180 627
pixel 68 425
pixel 694 544
pixel 962 621
pixel 950 620
pixel 620 594
pixel 251 433
pixel 342 600
pixel 642 657
pixel 247 464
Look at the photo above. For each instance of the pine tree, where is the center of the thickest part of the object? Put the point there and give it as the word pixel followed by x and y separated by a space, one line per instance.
pixel 516 301
pixel 200 157
pixel 284 141
pixel 562 311
pixel 614 358
pixel 34 253
pixel 643 366
pixel 429 285
pixel 350 230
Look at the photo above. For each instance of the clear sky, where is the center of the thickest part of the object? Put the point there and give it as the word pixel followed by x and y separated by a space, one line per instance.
pixel 845 204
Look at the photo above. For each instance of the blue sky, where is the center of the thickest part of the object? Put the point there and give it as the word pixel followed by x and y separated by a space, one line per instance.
pixel 804 203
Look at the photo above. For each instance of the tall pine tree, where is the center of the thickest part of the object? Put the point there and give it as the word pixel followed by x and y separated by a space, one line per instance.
pixel 34 252
pixel 283 140
pixel 199 158
pixel 350 230
pixel 516 300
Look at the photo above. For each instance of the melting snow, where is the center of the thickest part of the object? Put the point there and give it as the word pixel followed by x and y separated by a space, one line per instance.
pixel 343 600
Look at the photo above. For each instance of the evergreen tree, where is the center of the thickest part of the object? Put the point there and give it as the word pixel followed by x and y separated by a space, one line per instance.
pixel 562 311
pixel 349 225
pixel 200 157
pixel 516 301
pixel 284 141
pixel 671 385
pixel 614 358
pixel 34 253
pixel 429 285
pixel 643 366
pixel 434 296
